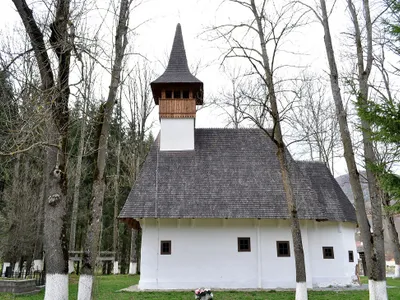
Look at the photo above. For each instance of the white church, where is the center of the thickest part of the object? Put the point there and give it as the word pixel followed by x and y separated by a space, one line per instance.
pixel 212 209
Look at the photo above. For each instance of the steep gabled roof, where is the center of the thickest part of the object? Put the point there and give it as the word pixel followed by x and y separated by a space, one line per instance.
pixel 232 173
pixel 177 72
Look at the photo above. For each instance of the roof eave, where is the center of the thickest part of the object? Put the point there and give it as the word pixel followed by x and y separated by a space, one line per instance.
pixel 197 89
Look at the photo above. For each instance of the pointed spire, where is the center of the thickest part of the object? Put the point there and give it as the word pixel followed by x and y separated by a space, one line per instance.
pixel 177 71
pixel 177 59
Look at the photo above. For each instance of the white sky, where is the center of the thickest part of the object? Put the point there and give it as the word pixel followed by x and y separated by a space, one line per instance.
pixel 154 40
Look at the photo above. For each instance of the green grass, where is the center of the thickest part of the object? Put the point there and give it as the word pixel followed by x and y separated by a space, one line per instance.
pixel 106 288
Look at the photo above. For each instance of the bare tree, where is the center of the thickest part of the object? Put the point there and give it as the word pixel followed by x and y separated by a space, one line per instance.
pixel 378 263
pixel 54 95
pixel 21 126
pixel 387 154
pixel 139 97
pixel 354 176
pixel 84 95
pixel 91 245
pixel 116 185
pixel 230 99
pixel 270 28
pixel 313 120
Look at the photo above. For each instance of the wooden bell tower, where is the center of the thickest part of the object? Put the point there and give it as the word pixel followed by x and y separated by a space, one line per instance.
pixel 177 92
pixel 177 103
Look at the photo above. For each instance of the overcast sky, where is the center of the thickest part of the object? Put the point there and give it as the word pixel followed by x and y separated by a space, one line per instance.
pixel 154 40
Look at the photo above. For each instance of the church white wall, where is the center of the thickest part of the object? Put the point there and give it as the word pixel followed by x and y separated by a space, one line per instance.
pixel 276 271
pixel 340 236
pixel 204 253
pixel 177 134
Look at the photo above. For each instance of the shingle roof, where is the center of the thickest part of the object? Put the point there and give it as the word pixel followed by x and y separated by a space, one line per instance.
pixel 328 189
pixel 232 173
pixel 177 71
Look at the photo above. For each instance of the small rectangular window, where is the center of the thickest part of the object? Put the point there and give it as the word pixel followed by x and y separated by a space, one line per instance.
pixel 168 94
pixel 244 244
pixel 283 249
pixel 185 94
pixel 351 256
pixel 328 253
pixel 165 248
pixel 177 94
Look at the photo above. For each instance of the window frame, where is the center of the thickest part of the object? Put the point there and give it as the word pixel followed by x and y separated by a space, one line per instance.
pixel 351 255
pixel 277 248
pixel 324 254
pixel 238 244
pixel 162 252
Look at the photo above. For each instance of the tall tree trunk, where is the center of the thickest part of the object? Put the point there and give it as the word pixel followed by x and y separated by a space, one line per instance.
pixel 55 244
pixel 11 255
pixel 78 173
pixel 38 251
pixel 55 101
pixel 394 242
pixel 133 257
pixel 392 233
pixel 301 279
pixel 378 272
pixel 28 206
pixel 346 141
pixel 116 197
pixel 91 245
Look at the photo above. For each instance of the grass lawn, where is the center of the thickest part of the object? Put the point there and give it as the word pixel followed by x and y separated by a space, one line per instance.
pixel 106 288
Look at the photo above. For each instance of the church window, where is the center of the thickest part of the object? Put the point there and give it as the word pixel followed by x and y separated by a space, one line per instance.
pixel 177 94
pixel 244 244
pixel 328 253
pixel 351 256
pixel 165 248
pixel 283 249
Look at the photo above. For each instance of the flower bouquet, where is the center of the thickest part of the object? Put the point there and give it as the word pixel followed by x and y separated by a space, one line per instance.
pixel 203 294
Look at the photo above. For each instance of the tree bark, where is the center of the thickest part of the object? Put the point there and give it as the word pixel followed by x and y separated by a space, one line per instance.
pixel 392 233
pixel 91 246
pixel 301 288
pixel 346 141
pixel 77 183
pixel 116 197
pixel 55 101
pixel 378 263
pixel 38 251
pixel 133 257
